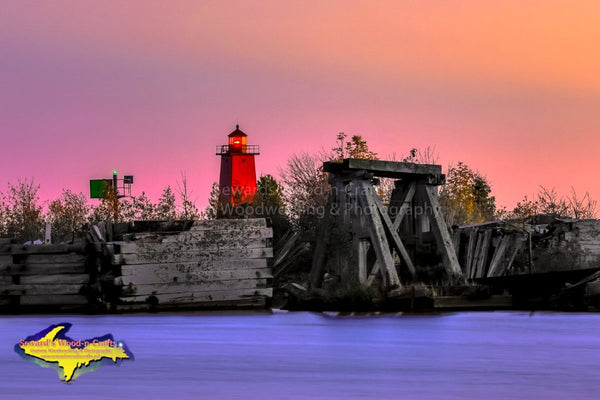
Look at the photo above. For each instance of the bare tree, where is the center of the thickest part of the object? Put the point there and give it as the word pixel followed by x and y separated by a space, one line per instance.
pixel 305 188
pixel 189 211
pixel 581 207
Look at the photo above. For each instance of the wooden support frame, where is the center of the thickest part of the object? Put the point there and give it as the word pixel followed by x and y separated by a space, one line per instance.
pixel 375 231
pixel 403 203
pixel 440 230
pixel 366 194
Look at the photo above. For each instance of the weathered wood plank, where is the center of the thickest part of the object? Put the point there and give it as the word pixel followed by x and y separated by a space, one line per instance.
pixel 498 257
pixel 200 256
pixel 53 258
pixel 475 261
pixel 220 295
pixel 361 252
pixel 365 194
pixel 39 289
pixel 440 231
pixel 210 236
pixel 391 169
pixel 5 280
pixel 254 302
pixel 456 242
pixel 58 279
pixel 482 257
pixel 5 260
pixel 228 224
pixel 78 248
pixel 39 269
pixel 470 253
pixel 397 242
pixel 516 247
pixel 373 273
pixel 55 299
pixel 456 302
pixel 171 273
pixel 324 231
pixel 139 247
pixel 191 287
pixel 403 204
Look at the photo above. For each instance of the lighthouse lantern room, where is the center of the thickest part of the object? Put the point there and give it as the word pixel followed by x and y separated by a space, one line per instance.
pixel 237 182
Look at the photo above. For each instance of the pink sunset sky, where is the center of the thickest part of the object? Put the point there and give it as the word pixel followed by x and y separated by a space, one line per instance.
pixel 511 88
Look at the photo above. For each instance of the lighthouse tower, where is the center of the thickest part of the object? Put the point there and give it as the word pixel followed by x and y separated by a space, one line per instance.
pixel 237 182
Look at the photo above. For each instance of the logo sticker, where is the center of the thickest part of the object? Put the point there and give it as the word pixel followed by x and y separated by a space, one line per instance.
pixel 51 348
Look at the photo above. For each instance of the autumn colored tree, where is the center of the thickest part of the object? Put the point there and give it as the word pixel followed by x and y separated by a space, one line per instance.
pixel 109 209
pixel 356 147
pixel 465 198
pixel 67 214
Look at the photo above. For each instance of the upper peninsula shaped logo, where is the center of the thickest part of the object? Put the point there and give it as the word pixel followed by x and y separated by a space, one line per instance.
pixel 51 348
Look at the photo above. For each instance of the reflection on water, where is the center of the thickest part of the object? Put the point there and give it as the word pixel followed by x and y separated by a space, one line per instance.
pixel 496 355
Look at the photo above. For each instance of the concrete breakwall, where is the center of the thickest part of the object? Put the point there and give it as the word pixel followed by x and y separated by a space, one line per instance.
pixel 142 266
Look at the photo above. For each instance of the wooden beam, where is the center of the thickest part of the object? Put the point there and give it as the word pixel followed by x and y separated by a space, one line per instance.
pixel 516 247
pixel 53 300
pixel 404 203
pixel 40 269
pixel 176 273
pixel 365 193
pixel 470 253
pixel 498 257
pixel 193 297
pixel 318 261
pixel 228 224
pixel 456 242
pixel 389 226
pixel 441 233
pixel 373 273
pixel 192 287
pixel 389 169
pixel 361 252
pixel 193 256
pixel 482 257
pixel 40 289
pixel 142 247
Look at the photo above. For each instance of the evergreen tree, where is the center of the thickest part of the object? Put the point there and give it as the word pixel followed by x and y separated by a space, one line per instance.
pixel 165 210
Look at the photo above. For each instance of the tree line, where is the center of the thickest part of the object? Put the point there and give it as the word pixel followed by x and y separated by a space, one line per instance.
pixel 294 203
pixel 22 214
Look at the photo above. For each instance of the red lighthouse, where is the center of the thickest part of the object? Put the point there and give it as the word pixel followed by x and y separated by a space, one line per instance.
pixel 237 183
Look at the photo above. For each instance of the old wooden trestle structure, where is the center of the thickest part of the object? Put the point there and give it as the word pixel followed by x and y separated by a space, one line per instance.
pixel 383 236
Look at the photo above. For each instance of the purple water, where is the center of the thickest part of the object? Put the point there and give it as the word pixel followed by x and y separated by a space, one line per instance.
pixel 495 355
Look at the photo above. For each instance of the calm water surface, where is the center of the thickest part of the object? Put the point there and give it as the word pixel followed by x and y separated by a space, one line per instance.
pixel 496 355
